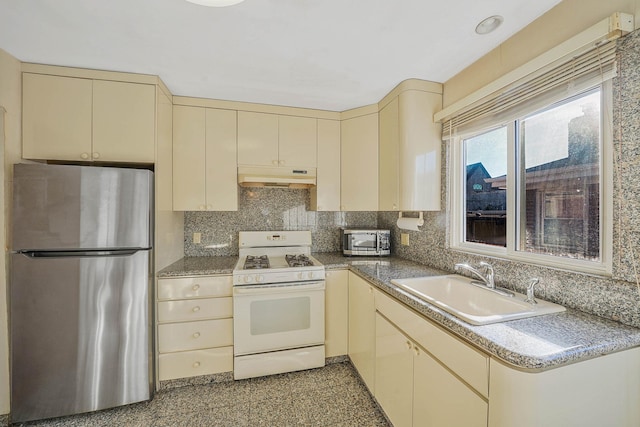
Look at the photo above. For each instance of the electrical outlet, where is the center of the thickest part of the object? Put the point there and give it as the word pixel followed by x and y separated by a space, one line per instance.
pixel 404 239
pixel 197 237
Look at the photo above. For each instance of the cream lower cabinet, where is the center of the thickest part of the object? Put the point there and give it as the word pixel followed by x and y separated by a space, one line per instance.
pixel 362 334
pixel 604 391
pixel 204 159
pixel 80 119
pixel 195 326
pixel 336 318
pixel 417 388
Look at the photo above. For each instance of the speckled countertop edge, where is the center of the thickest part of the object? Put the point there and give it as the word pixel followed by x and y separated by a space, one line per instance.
pixel 534 344
pixel 199 266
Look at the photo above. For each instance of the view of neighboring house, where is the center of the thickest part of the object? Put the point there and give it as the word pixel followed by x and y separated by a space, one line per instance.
pixel 562 198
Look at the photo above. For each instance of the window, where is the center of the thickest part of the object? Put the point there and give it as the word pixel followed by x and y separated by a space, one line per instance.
pixel 532 189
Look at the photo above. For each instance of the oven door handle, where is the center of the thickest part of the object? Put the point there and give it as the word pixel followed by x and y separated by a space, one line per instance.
pixel 263 289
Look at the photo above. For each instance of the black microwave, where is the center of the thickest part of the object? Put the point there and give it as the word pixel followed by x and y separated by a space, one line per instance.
pixel 365 242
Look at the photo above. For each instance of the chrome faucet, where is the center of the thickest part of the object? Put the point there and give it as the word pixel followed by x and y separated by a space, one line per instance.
pixel 488 276
pixel 530 289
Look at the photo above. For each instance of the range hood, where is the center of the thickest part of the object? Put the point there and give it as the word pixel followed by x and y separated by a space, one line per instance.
pixel 276 177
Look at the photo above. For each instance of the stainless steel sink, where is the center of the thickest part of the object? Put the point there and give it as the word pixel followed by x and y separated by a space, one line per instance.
pixel 471 303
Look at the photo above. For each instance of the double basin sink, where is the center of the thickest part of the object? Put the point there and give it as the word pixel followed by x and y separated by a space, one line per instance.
pixel 458 296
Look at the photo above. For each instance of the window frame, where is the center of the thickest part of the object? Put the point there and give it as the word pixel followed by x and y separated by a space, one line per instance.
pixel 515 195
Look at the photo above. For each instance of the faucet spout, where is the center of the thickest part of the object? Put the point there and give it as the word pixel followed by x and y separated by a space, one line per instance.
pixel 487 280
pixel 488 271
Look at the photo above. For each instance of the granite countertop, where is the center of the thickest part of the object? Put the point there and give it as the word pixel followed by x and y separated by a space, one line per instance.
pixel 537 343
pixel 199 266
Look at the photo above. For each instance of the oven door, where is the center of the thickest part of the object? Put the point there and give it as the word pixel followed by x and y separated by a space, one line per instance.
pixel 277 317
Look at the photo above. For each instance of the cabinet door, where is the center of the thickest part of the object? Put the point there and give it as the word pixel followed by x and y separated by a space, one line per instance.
pixel 189 159
pixel 221 160
pixel 123 122
pixel 394 373
pixel 389 171
pixel 336 307
pixel 164 154
pixel 359 164
pixel 362 334
pixel 297 141
pixel 257 139
pixel 56 117
pixel 325 196
pixel 441 399
pixel 420 147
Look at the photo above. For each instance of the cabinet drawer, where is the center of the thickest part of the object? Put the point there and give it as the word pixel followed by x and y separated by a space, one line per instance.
pixel 195 335
pixel 465 361
pixel 194 287
pixel 195 309
pixel 198 362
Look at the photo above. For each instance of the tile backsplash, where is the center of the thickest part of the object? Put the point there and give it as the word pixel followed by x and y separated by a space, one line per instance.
pixel 262 209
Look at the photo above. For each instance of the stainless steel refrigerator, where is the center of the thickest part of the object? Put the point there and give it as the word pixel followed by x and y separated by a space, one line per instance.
pixel 80 289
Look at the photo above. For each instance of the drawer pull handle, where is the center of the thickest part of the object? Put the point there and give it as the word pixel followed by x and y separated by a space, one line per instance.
pixel 416 350
pixel 409 345
pixel 196 335
pixel 196 309
pixel 196 365
pixel 195 287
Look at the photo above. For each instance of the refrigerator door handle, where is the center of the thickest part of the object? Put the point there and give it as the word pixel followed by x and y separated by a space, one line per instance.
pixel 80 254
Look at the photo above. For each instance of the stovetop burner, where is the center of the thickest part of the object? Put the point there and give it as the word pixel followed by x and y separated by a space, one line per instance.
pixel 298 260
pixel 253 262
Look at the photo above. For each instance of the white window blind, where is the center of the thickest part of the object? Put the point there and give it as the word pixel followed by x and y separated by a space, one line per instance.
pixel 541 88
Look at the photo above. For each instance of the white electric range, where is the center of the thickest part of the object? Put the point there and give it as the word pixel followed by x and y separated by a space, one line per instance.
pixel 278 304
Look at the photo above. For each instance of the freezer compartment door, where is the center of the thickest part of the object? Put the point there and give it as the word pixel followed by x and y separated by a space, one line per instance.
pixel 79 207
pixel 80 334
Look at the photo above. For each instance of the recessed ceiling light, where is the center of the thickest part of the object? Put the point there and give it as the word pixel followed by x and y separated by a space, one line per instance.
pixel 489 24
pixel 216 3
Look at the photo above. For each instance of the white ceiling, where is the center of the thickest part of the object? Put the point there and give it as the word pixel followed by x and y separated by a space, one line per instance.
pixel 325 54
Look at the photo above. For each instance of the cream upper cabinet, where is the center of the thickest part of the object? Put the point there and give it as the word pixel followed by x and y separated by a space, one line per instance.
pixel 362 329
pixel 325 196
pixel 389 163
pixel 56 117
pixel 164 154
pixel 222 169
pixel 257 139
pixel 79 119
pixel 204 159
pixel 359 163
pixel 123 122
pixel 336 313
pixel 297 141
pixel 420 142
pixel 275 140
pixel 410 147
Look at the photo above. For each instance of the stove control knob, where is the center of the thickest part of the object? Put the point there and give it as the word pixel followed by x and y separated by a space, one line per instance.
pixel 248 279
pixel 260 278
pixel 312 275
pixel 301 275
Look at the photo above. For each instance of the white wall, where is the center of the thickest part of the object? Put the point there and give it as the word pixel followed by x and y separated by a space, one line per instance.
pixel 567 19
pixel 10 101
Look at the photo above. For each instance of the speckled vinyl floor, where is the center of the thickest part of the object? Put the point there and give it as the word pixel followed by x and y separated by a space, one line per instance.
pixel 329 396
